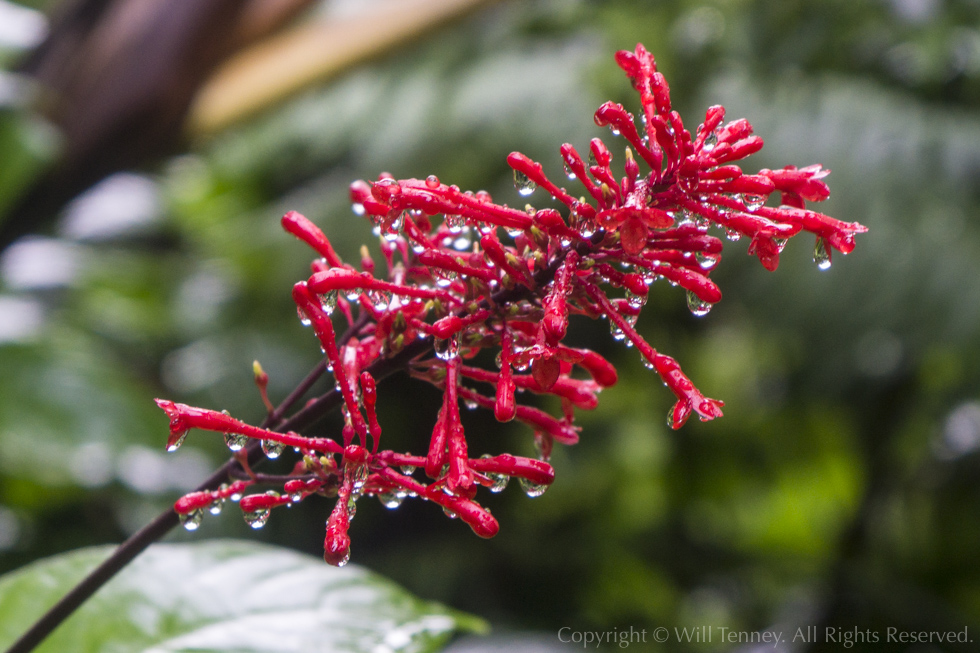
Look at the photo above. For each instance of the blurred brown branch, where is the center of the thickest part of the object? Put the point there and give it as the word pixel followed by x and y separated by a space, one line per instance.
pixel 125 80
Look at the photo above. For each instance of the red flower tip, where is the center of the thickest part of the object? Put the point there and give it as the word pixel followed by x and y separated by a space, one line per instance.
pixel 336 542
pixel 193 501
pixel 178 425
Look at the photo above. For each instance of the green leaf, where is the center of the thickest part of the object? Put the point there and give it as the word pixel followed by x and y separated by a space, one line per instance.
pixel 225 595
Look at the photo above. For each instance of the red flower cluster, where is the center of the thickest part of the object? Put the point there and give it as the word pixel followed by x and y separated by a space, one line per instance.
pixel 454 287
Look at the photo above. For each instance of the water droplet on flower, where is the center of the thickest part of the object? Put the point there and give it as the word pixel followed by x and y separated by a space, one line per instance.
pixel 390 500
pixel 235 441
pixel 616 332
pixel 710 141
pixel 215 508
pixel 328 301
pixel 636 301
pixel 173 446
pixel 343 561
pixel 532 489
pixel 732 235
pixel 272 449
pixel 351 507
pixel 821 255
pixel 592 159
pixel 407 470
pixel 523 183
pixel 394 229
pixel 569 173
pixel 358 208
pixel 696 305
pixel 192 520
pixel 706 261
pixel 432 181
pixel 646 362
pixel 449 513
pixel 670 418
pixel 753 202
pixel 455 223
pixel 304 319
pixel 257 518
pixel 447 348
pixel 500 482
pixel 470 404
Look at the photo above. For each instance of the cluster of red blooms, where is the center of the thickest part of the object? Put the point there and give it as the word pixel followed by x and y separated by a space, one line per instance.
pixel 454 287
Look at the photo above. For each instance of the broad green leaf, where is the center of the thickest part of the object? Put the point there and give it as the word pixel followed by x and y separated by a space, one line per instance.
pixel 225 595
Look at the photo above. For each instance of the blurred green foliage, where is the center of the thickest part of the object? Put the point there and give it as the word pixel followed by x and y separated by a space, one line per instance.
pixel 841 485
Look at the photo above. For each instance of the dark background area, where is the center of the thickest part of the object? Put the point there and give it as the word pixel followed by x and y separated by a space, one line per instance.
pixel 839 489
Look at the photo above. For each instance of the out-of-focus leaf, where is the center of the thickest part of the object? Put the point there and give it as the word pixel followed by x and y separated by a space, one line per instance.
pixel 225 595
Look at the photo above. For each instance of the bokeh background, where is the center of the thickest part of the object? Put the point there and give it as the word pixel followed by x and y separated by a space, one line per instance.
pixel 142 257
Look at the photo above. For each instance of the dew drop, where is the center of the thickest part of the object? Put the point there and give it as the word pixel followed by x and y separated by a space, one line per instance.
pixel 523 184
pixel 449 513
pixel 455 223
pixel 257 518
pixel 272 449
pixel 447 348
pixel 617 333
pixel 173 446
pixel 235 441
pixel 215 508
pixel 343 561
pixel 407 470
pixel 304 319
pixel 754 202
pixel 390 500
pixel 732 235
pixel 500 482
pixel 636 301
pixel 821 255
pixel 432 181
pixel 696 305
pixel 358 208
pixel 532 489
pixel 706 261
pixel 569 173
pixel 328 301
pixel 192 520
pixel 710 141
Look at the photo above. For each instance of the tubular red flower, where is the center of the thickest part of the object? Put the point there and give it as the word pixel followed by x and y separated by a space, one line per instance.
pixel 455 285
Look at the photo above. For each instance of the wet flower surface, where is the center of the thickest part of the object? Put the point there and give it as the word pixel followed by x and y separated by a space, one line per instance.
pixel 463 274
